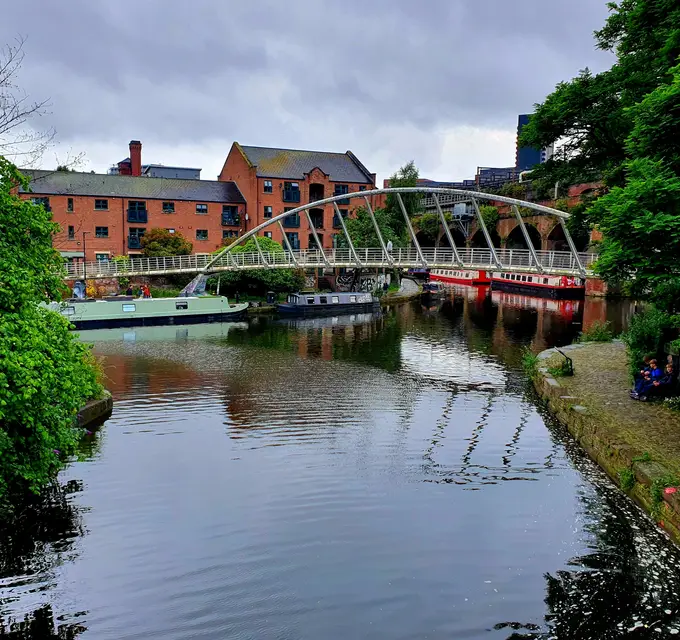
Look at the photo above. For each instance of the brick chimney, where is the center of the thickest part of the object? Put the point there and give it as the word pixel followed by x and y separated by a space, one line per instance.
pixel 136 157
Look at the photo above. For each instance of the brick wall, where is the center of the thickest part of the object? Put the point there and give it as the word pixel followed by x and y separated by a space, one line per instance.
pixel 85 218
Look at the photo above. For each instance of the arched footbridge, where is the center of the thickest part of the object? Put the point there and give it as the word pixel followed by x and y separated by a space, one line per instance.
pixel 441 201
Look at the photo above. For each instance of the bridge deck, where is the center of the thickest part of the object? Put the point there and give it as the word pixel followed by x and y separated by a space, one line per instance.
pixel 518 260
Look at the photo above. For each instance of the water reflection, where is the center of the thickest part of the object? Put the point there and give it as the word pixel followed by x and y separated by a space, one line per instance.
pixel 363 476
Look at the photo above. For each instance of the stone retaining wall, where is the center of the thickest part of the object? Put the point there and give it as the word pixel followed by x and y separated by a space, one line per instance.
pixel 613 435
pixel 95 412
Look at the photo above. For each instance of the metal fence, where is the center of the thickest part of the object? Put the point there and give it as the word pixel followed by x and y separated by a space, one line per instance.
pixel 557 262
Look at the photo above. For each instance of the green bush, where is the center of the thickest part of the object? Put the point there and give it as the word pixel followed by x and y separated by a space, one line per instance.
pixel 46 375
pixel 561 370
pixel 645 335
pixel 597 332
pixel 529 362
pixel 626 479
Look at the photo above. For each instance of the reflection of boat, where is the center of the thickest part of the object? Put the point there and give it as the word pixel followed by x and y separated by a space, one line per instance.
pixel 126 311
pixel 165 333
pixel 323 322
pixel 564 307
pixel 460 276
pixel 545 286
pixel 432 290
pixel 327 304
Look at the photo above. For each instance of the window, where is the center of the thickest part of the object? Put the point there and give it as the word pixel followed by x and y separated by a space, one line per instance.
pixel 129 308
pixel 310 300
pixel 268 188
pixel 230 216
pixel 101 205
pixel 168 207
pixel 229 233
pixel 201 234
pixel 335 299
pixel 180 306
pixel 291 192
pixel 352 298
pixel 545 280
pixel 336 221
pixel 293 239
pixel 45 202
pixel 71 232
pixel 362 188
pixel 323 300
pixel 292 220
pixel 524 278
pixel 202 208
pixel 69 205
pixel 267 234
pixel 101 232
pixel 341 189
pixel 101 257
pixel 137 211
pixel 267 212
pixel 135 235
pixel 530 279
pixel 170 230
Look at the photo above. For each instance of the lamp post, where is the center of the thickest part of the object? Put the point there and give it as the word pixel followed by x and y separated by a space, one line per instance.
pixel 85 259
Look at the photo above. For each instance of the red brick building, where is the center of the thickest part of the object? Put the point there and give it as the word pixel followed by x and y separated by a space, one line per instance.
pixel 275 180
pixel 103 215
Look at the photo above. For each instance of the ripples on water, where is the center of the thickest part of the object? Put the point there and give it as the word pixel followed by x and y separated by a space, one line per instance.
pixel 347 478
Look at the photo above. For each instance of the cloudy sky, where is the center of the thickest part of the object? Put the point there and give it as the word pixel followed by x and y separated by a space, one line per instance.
pixel 439 81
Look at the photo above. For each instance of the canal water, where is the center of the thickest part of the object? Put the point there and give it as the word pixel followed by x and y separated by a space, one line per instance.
pixel 359 477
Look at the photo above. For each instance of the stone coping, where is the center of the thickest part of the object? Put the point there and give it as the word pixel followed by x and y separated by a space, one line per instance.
pixel 95 412
pixel 636 443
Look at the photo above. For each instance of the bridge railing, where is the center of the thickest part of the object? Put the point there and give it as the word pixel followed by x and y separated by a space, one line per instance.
pixel 472 258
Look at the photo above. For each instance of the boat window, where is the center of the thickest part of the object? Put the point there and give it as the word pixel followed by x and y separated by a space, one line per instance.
pixel 129 307
pixel 323 300
pixel 524 278
pixel 335 300
pixel 530 279
pixel 545 280
pixel 181 305
pixel 310 300
pixel 352 298
pixel 68 311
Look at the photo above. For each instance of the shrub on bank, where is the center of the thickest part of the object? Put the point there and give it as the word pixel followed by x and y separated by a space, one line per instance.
pixel 597 332
pixel 46 375
pixel 645 335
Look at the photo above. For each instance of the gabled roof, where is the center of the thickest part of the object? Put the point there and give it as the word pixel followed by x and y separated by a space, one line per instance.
pixel 101 185
pixel 293 164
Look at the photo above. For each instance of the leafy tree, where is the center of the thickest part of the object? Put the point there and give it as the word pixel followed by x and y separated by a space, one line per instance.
pixel 259 281
pixel 589 117
pixel 490 215
pixel 160 242
pixel 641 219
pixel 407 176
pixel 361 230
pixel 46 375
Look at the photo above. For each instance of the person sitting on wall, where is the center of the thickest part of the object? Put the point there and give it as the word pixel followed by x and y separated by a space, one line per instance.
pixel 657 386
pixel 646 369
pixel 662 387
pixel 647 378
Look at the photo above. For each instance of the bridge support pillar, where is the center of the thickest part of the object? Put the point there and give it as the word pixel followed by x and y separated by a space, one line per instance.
pixel 598 288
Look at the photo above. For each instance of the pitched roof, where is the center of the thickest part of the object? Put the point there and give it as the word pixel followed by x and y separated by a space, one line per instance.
pixel 294 164
pixel 99 185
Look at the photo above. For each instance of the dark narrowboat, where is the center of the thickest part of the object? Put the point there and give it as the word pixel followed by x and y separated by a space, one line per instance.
pixel 329 304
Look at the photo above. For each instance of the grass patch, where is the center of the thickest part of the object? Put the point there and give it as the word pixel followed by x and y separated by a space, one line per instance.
pixel 529 362
pixel 627 479
pixel 597 332
pixel 645 457
pixel 561 370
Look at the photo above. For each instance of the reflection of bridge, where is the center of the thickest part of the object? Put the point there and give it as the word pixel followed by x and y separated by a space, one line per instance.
pixel 449 256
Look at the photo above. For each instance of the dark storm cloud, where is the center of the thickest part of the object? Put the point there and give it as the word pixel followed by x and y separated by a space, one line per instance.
pixel 273 72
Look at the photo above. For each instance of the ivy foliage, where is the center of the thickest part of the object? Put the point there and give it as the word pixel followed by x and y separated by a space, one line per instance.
pixel 46 375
